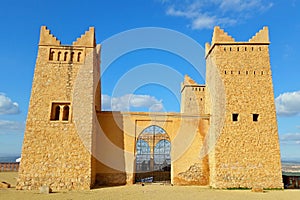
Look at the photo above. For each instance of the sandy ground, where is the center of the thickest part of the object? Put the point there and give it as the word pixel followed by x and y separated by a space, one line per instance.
pixel 154 191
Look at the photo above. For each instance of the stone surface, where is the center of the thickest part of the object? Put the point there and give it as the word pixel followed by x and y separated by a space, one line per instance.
pixel 45 189
pixel 4 185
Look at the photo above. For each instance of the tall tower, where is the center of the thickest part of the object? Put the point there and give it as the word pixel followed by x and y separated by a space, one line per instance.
pixel 57 147
pixel 243 127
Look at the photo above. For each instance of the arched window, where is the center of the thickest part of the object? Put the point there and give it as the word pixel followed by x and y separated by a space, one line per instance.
pixel 72 56
pixel 60 111
pixel 66 113
pixel 65 56
pixel 55 111
pixel 78 56
pixel 51 56
pixel 58 56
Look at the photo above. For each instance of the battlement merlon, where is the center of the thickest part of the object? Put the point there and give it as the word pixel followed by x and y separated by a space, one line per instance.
pixel 47 39
pixel 88 39
pixel 220 37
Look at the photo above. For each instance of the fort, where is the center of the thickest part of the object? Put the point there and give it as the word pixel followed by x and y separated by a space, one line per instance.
pixel 225 135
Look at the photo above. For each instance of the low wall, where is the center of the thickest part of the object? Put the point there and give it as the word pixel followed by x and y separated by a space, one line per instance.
pixel 9 166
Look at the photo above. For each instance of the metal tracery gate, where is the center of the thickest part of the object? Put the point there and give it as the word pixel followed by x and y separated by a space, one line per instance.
pixel 153 160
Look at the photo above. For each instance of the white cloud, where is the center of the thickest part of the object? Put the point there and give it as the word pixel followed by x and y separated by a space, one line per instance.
pixel 124 103
pixel 290 138
pixel 7 106
pixel 288 104
pixel 7 126
pixel 204 14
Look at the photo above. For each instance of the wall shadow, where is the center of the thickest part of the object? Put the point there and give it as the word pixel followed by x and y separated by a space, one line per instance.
pixel 109 159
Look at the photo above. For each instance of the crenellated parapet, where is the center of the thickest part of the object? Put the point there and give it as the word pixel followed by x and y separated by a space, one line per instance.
pixel 74 53
pixel 220 37
pixel 192 96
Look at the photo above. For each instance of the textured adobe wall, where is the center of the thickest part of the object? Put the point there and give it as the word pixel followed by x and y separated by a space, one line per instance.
pixel 247 152
pixel 55 152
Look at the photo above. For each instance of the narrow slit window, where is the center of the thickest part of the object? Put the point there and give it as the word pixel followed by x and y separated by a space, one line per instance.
pixel 235 117
pixel 78 56
pixel 51 56
pixel 225 71
pixel 66 113
pixel 58 56
pixel 255 117
pixel 72 57
pixel 55 112
pixel 65 56
pixel 262 72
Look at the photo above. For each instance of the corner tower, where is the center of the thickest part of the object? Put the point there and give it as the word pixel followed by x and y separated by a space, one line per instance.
pixel 246 151
pixel 57 148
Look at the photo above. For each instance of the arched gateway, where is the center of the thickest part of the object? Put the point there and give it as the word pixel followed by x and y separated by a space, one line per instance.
pixel 153 155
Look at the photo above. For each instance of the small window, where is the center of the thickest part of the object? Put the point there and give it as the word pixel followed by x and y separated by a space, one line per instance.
pixel 235 117
pixel 238 49
pixel 262 72
pixel 58 56
pixel 66 113
pixel 55 112
pixel 255 117
pixel 229 48
pixel 254 72
pixel 245 48
pixel 225 71
pixel 239 72
pixel 246 72
pixel 224 48
pixel 60 111
pixel 51 56
pixel 78 56
pixel 65 56
pixel 72 57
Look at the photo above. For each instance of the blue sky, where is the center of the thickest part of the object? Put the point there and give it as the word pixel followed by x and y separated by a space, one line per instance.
pixel 67 20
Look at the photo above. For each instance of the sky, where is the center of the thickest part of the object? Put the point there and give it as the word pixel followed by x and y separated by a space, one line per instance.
pixel 137 72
